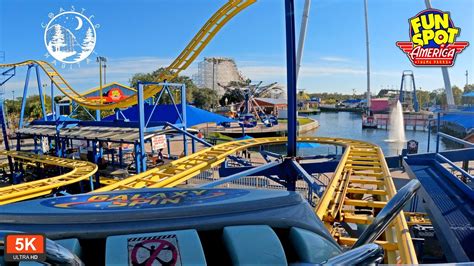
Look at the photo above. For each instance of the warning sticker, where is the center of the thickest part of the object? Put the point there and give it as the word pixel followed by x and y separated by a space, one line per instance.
pixel 154 250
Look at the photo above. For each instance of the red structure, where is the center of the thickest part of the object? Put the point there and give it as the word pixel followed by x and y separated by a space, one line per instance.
pixel 379 105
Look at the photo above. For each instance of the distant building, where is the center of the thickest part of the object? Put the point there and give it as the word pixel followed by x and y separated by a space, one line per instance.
pixel 271 105
pixel 378 105
pixel 213 71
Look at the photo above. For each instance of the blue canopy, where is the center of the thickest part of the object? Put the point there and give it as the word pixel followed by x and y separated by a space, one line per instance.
pixel 352 101
pixel 167 113
pixel 464 120
pixel 468 94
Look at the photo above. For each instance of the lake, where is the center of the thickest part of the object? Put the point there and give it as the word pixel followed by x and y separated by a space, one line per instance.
pixel 349 125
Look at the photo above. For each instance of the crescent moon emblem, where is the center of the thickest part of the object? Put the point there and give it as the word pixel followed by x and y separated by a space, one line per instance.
pixel 79 23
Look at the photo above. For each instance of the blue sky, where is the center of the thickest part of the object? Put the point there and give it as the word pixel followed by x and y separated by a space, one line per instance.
pixel 142 35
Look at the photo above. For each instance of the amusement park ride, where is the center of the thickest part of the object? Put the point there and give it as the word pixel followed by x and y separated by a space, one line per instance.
pixel 249 111
pixel 157 215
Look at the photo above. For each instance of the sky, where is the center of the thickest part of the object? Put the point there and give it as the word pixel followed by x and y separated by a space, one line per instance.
pixel 140 36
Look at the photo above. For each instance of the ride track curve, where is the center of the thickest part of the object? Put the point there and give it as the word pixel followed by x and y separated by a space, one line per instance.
pixel 80 170
pixel 362 171
pixel 187 56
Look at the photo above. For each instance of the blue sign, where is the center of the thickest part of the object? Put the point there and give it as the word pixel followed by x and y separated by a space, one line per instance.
pixel 144 200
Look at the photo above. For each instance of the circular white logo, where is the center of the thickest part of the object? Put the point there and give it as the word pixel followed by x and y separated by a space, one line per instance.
pixel 70 37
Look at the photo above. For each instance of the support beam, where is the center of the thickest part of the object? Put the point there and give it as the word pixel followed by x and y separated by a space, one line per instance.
pixel 291 76
pixel 308 178
pixel 444 70
pixel 40 91
pixel 25 94
pixel 301 39
pixel 141 130
pixel 53 104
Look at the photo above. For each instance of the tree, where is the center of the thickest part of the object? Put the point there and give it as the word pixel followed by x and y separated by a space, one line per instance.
pixel 205 98
pixel 303 96
pixel 232 96
pixel 423 97
pixel 154 77
pixel 457 94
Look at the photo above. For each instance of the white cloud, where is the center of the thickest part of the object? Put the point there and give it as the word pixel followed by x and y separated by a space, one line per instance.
pixel 268 73
pixel 335 59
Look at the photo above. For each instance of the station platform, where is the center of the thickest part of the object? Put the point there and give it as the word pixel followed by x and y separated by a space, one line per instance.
pixel 449 203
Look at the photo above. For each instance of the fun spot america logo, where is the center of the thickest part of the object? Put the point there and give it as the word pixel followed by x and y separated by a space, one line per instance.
pixel 432 39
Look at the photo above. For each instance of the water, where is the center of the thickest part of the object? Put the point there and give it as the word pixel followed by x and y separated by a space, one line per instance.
pixel 396 133
pixel 349 125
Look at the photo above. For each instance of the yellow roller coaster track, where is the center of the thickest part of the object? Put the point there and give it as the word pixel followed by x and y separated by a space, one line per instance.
pixel 187 56
pixel 79 170
pixel 362 179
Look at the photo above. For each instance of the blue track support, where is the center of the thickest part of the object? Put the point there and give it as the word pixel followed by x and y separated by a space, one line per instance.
pixel 5 136
pixel 168 148
pixel 401 97
pixel 309 179
pixel 183 118
pixel 137 156
pixel 96 161
pixel 429 136
pixel 240 175
pixel 9 75
pixel 120 154
pixel 23 100
pixel 40 91
pixel 271 154
pixel 53 104
pixel 141 130
pixel 154 105
pixel 205 143
pixel 291 76
pixel 438 127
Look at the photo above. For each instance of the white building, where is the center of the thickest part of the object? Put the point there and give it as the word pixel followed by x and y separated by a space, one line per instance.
pixel 213 71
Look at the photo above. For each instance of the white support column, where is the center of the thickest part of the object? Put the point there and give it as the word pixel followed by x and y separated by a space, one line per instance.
pixel 304 23
pixel 447 82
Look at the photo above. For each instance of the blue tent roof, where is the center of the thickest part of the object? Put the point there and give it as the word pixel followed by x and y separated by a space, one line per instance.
pixel 352 101
pixel 464 120
pixel 167 113
pixel 468 94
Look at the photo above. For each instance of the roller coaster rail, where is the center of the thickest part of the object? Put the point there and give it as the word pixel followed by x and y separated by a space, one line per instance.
pixel 79 171
pixel 362 164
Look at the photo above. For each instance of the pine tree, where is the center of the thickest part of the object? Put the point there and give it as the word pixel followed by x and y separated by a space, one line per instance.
pixel 57 41
pixel 89 41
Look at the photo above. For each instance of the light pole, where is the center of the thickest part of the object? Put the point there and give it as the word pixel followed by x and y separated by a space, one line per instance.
pixel 467 78
pixel 101 60
pixel 105 71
